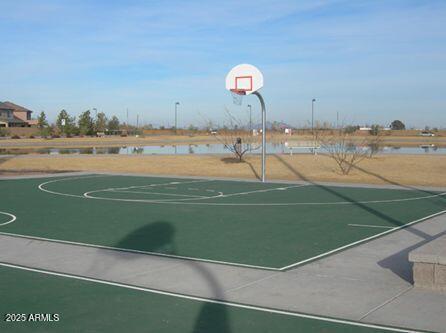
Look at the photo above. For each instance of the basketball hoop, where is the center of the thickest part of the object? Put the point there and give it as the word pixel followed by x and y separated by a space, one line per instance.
pixel 237 96
pixel 245 79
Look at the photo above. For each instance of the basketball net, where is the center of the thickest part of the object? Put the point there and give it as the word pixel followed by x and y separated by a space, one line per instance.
pixel 237 96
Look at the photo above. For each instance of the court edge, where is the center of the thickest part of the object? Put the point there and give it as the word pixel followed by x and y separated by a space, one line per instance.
pixel 284 268
pixel 281 269
pixel 140 252
pixel 209 300
pixel 408 224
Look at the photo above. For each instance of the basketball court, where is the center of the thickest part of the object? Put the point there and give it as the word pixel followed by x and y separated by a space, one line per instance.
pixel 274 226
pixel 266 228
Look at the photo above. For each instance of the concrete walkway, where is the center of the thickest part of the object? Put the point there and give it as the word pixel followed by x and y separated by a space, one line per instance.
pixel 371 283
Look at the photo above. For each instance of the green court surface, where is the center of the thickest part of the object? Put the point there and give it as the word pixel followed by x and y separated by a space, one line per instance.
pixel 274 226
pixel 86 306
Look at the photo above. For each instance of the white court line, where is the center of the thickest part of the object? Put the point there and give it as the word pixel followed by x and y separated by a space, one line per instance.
pixel 163 184
pixel 359 242
pixel 260 191
pixel 370 226
pixel 13 218
pixel 171 194
pixel 209 300
pixel 220 195
pixel 158 254
pixel 42 188
pixel 184 201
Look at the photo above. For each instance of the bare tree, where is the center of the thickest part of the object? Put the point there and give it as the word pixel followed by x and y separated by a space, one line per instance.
pixel 345 150
pixel 236 137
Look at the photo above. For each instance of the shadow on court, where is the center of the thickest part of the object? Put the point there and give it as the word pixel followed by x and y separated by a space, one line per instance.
pixel 391 182
pixel 230 160
pixel 399 262
pixel 159 237
pixel 154 237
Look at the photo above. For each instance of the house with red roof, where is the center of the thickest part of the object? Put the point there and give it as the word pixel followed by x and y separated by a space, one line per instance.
pixel 13 115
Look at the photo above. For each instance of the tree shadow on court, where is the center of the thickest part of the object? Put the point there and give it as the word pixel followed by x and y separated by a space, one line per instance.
pixel 391 182
pixel 394 261
pixel 159 237
pixel 373 211
pixel 390 264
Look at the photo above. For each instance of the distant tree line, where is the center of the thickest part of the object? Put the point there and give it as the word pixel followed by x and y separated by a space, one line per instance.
pixel 85 124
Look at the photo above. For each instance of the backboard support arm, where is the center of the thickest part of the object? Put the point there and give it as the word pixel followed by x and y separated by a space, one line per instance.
pixel 262 104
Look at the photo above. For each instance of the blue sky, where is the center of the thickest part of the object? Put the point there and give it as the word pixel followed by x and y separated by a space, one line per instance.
pixel 371 61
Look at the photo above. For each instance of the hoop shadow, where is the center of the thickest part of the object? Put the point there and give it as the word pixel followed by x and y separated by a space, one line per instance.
pixel 159 237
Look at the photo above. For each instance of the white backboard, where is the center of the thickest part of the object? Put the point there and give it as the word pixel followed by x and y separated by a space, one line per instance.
pixel 244 78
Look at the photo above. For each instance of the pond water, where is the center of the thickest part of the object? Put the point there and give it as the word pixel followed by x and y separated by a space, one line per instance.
pixel 203 149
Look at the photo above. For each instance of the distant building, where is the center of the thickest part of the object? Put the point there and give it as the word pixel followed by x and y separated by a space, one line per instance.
pixel 13 115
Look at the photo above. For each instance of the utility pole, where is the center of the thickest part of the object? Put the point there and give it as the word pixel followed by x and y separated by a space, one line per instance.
pixel 127 121
pixel 312 115
pixel 176 115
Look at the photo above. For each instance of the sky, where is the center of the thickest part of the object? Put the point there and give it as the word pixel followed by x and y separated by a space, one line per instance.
pixel 366 61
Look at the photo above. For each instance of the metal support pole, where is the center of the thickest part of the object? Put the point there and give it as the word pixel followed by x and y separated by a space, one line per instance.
pixel 262 103
pixel 127 121
pixel 176 117
pixel 312 115
pixel 250 125
pixel 250 118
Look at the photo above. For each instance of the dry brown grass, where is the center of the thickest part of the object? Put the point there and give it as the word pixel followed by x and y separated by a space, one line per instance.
pixel 388 169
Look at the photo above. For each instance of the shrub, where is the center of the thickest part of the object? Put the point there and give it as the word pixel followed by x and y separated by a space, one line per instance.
pixel 351 129
pixel 375 130
pixel 3 132
pixel 397 125
pixel 15 136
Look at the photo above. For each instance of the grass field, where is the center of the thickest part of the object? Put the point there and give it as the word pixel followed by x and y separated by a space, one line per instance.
pixel 272 226
pixel 122 308
pixel 389 169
